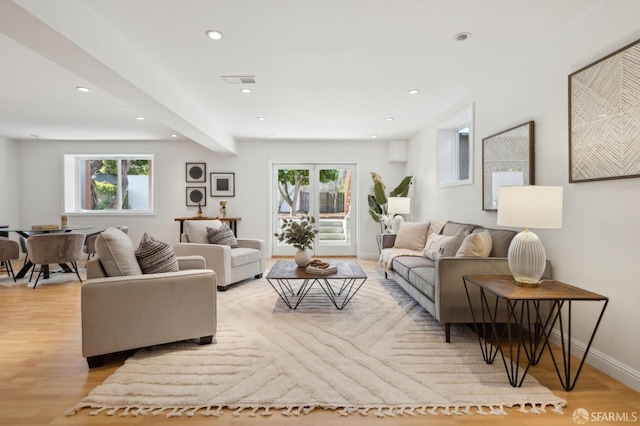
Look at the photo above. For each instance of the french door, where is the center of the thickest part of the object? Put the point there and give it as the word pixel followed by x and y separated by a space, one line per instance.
pixel 323 191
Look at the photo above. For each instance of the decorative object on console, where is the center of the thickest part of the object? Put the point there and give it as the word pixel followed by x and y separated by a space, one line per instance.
pixel 529 207
pixel 196 172
pixel 300 233
pixel 223 208
pixel 378 202
pixel 196 196
pixel 507 160
pixel 602 106
pixel 223 185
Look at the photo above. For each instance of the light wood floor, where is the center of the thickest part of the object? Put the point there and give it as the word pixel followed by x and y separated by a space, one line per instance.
pixel 43 374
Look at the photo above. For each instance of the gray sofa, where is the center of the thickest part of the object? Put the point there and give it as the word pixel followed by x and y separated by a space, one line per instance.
pixel 438 286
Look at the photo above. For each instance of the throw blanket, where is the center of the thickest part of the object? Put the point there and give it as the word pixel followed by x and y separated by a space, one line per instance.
pixel 387 255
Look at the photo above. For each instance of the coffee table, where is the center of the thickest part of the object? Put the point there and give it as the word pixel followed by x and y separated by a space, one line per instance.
pixel 293 283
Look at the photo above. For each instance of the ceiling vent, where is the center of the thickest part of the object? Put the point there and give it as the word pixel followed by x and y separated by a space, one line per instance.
pixel 239 79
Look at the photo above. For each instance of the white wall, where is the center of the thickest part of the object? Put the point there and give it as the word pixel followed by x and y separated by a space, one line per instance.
pixel 597 247
pixel 40 182
pixel 9 191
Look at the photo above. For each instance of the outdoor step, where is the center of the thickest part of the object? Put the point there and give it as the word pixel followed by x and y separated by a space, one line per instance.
pixel 330 222
pixel 337 229
pixel 332 236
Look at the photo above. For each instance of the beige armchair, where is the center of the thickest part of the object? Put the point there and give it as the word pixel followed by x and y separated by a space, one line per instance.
pixel 231 265
pixel 129 312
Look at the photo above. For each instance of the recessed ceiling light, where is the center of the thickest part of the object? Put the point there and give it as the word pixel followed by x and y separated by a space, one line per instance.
pixel 374 136
pixel 462 36
pixel 245 90
pixel 413 91
pixel 173 135
pixel 388 119
pixel 139 118
pixel 82 89
pixel 261 118
pixel 271 135
pixel 214 35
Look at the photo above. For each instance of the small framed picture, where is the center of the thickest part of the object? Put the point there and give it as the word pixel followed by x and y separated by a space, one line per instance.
pixel 223 185
pixel 196 172
pixel 196 195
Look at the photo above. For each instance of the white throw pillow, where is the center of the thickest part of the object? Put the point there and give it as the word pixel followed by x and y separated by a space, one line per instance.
pixel 442 245
pixel 412 236
pixel 196 230
pixel 117 253
pixel 477 244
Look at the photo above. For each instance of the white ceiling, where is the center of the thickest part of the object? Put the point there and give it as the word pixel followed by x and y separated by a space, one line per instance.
pixel 324 69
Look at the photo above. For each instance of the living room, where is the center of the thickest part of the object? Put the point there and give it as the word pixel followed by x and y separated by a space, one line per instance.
pixel 593 250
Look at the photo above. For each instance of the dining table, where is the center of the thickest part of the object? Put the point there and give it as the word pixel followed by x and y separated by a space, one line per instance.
pixel 27 232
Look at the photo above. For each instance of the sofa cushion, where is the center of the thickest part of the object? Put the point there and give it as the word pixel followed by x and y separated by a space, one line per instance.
pixel 196 230
pixel 412 235
pixel 402 265
pixel 424 280
pixel 117 253
pixel 223 235
pixel 443 245
pixel 155 256
pixel 452 228
pixel 476 244
pixel 243 255
pixel 500 240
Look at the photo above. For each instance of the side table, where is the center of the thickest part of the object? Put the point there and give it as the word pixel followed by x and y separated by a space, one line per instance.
pixel 525 311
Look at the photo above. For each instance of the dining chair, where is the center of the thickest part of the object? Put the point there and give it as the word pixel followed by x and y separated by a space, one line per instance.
pixel 61 248
pixel 9 250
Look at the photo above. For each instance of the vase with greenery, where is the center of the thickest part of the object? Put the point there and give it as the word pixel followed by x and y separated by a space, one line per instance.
pixel 378 199
pixel 300 233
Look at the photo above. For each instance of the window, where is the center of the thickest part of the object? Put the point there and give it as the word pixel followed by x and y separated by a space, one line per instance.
pixel 108 183
pixel 455 149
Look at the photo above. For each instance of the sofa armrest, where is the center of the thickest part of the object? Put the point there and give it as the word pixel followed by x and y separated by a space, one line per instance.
pixel 451 298
pixel 120 313
pixel 216 257
pixel 95 269
pixel 191 262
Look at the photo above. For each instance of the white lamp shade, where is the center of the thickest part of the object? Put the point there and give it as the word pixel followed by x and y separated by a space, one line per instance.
pixel 399 205
pixel 530 206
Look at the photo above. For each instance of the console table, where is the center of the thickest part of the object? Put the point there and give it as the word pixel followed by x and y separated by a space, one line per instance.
pixel 231 221
pixel 526 311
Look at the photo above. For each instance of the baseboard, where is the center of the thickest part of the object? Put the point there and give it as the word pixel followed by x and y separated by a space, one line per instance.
pixel 601 361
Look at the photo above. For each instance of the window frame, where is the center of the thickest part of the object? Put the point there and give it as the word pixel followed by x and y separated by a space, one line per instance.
pixel 448 148
pixel 73 184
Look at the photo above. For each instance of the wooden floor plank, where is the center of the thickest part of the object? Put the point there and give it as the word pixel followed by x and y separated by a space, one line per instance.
pixel 43 374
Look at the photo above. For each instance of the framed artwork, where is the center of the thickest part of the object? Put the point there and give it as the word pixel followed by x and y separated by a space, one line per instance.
pixel 507 160
pixel 196 172
pixel 604 100
pixel 223 185
pixel 196 195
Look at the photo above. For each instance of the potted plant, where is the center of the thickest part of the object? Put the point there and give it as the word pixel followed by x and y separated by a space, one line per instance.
pixel 301 234
pixel 378 199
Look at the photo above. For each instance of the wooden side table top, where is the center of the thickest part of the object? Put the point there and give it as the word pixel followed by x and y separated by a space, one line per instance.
pixel 505 286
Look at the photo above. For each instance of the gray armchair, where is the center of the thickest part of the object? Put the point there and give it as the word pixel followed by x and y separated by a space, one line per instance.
pixel 64 248
pixel 135 311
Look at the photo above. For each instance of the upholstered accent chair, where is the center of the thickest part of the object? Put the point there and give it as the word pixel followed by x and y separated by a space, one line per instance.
pixel 233 261
pixel 123 308
pixel 63 248
pixel 9 250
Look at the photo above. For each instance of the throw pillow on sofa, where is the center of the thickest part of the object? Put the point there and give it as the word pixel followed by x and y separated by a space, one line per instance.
pixel 477 244
pixel 442 245
pixel 223 235
pixel 196 230
pixel 117 253
pixel 412 236
pixel 155 257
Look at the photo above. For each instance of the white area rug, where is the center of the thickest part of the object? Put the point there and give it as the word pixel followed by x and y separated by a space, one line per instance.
pixel 56 277
pixel 382 355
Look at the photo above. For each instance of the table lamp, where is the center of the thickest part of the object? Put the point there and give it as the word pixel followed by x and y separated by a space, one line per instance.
pixel 529 206
pixel 398 206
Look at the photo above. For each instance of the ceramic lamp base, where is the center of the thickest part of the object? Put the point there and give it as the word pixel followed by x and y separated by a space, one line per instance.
pixel 527 259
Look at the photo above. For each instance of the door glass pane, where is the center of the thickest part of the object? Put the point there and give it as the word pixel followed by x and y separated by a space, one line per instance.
pixel 334 206
pixel 293 199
